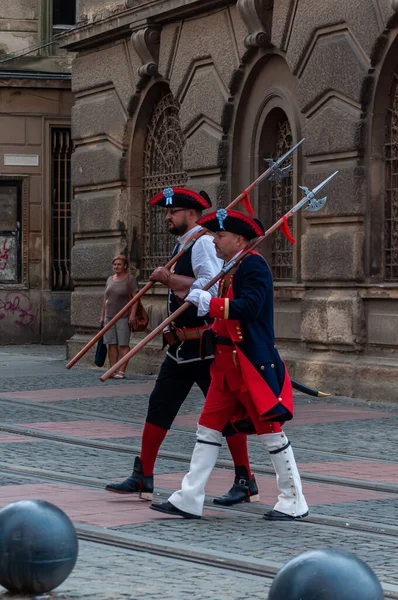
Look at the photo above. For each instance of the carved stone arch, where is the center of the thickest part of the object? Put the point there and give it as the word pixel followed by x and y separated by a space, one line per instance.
pixel 155 162
pixel 382 213
pixel 266 123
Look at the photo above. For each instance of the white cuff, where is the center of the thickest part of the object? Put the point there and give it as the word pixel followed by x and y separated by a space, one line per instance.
pixel 201 299
pixel 204 303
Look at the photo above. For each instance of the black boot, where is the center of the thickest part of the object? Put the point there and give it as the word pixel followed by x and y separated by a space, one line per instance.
pixel 243 490
pixel 137 483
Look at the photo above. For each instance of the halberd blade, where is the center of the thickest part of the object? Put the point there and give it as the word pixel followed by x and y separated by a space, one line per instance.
pixel 305 190
pixel 273 165
pixel 280 174
pixel 314 204
pixel 310 196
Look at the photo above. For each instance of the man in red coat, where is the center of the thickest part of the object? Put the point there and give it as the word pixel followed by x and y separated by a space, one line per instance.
pixel 250 388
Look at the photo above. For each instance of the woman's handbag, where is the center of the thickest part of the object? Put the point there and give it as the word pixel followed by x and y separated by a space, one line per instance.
pixel 100 353
pixel 141 316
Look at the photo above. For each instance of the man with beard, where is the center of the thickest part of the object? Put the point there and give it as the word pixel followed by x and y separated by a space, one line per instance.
pixel 189 356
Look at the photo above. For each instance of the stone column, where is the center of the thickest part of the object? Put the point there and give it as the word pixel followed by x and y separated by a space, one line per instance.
pixel 103 84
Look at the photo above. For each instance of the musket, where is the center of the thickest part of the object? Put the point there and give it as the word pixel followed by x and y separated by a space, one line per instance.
pixel 313 206
pixel 273 173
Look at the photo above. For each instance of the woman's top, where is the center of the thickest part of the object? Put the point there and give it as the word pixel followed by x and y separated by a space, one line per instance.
pixel 117 295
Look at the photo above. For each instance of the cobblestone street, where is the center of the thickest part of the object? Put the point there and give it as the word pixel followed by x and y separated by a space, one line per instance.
pixel 64 435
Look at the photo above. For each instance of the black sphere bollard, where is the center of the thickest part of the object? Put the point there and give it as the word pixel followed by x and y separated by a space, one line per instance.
pixel 38 546
pixel 326 575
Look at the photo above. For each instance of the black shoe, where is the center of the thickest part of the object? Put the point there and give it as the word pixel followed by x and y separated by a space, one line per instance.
pixel 137 483
pixel 243 490
pixel 275 515
pixel 170 509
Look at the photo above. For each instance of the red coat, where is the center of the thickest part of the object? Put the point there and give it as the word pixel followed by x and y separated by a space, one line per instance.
pixel 261 394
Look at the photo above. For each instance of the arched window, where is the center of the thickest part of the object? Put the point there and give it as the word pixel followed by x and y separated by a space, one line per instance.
pixel 276 198
pixel 281 202
pixel 391 188
pixel 163 167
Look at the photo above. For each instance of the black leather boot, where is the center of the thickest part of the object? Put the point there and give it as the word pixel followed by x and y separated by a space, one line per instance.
pixel 243 490
pixel 137 483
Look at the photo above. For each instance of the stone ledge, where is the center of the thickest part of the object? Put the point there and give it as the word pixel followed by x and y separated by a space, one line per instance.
pixel 369 377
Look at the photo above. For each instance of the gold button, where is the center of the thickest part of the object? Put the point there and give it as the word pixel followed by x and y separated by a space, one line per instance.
pixel 221 308
pixel 272 366
pixel 280 399
pixel 262 367
pixel 233 351
pixel 240 337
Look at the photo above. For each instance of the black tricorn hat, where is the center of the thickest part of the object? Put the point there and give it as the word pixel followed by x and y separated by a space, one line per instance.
pixel 181 198
pixel 233 221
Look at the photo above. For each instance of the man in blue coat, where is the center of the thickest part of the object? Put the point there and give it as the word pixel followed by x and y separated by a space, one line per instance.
pixel 250 387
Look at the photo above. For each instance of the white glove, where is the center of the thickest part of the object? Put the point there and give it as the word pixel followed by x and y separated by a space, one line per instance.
pixel 201 299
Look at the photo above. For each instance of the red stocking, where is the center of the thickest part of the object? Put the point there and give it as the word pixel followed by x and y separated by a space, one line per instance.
pixel 152 439
pixel 237 445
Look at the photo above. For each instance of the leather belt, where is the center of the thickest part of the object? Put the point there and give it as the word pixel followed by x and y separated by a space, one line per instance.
pixel 223 341
pixel 194 333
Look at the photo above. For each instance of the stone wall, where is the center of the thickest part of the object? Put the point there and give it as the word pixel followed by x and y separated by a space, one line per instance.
pixel 227 68
pixel 29 311
pixel 19 25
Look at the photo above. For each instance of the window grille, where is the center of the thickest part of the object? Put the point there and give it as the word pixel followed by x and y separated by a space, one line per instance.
pixel 10 231
pixel 61 208
pixel 281 202
pixel 163 167
pixel 391 197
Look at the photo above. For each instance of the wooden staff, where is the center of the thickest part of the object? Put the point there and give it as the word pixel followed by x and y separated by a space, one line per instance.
pixel 273 169
pixel 314 205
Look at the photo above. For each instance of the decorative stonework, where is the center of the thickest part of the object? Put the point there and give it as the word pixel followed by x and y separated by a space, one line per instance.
pixel 250 12
pixel 391 198
pixel 163 167
pixel 146 43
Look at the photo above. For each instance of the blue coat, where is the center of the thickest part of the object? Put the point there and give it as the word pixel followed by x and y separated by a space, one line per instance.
pixel 249 318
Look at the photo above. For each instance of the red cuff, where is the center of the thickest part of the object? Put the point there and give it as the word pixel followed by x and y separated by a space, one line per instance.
pixel 219 308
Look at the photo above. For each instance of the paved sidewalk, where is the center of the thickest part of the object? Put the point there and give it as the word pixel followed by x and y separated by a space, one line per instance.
pixel 55 421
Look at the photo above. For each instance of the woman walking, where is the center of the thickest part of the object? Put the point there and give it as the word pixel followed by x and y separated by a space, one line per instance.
pixel 118 291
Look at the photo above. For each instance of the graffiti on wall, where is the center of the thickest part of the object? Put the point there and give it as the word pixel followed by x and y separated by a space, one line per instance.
pixel 4 255
pixel 8 259
pixel 18 308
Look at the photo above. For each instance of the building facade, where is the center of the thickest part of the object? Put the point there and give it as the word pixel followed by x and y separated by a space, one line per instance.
pixel 35 187
pixel 198 93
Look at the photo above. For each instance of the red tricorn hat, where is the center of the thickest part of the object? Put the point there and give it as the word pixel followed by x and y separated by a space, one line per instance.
pixel 181 198
pixel 233 221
